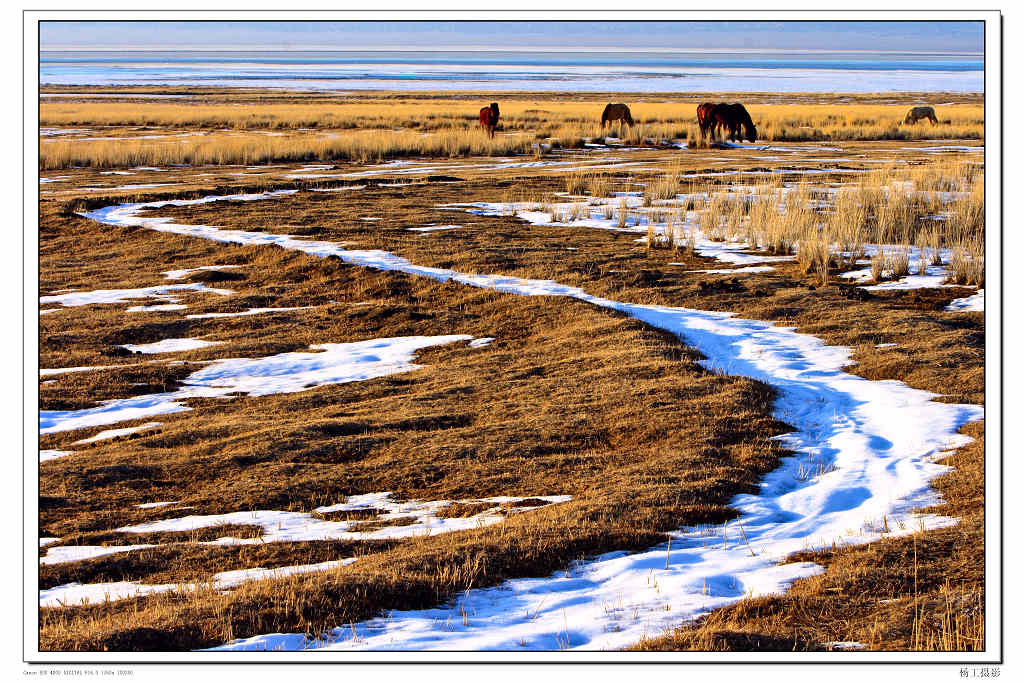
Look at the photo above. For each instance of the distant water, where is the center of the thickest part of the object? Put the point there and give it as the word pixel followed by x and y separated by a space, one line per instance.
pixel 530 71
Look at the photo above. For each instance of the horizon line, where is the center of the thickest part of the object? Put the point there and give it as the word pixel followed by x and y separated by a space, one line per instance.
pixel 487 48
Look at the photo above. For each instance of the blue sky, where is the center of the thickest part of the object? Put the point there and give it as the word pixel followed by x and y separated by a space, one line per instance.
pixel 817 35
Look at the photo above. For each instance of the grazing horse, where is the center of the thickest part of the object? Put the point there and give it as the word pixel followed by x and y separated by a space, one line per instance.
pixel 733 117
pixel 616 112
pixel 917 113
pixel 704 118
pixel 489 118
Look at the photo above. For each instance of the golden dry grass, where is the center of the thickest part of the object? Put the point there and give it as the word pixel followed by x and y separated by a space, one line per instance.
pixel 376 129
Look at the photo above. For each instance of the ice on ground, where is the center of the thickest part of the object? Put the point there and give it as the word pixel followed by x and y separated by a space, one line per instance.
pixel 279 374
pixel 121 296
pixel 91 593
pixel 845 645
pixel 874 443
pixel 887 345
pixel 50 454
pixel 146 506
pixel 114 433
pixel 48 310
pixel 975 302
pixel 47 540
pixel 182 272
pixel 250 311
pixel 169 345
pixel 155 307
pixel 481 342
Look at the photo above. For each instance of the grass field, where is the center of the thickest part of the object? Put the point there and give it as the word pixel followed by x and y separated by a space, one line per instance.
pixel 852 232
pixel 371 128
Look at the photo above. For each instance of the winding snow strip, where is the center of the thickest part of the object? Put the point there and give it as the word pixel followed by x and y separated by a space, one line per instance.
pixel 283 373
pixel 975 302
pixel 91 593
pixel 874 441
pixel 120 296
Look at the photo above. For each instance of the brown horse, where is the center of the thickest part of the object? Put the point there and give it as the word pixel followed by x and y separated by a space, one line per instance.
pixel 733 117
pixel 704 118
pixel 616 112
pixel 489 118
pixel 918 113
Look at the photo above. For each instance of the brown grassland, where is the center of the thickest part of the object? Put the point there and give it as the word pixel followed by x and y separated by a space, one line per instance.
pixel 568 399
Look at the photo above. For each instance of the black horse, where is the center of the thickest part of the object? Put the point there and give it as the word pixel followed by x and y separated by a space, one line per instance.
pixel 732 117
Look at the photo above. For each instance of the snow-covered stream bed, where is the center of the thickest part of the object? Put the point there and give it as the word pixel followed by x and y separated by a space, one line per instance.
pixel 865 453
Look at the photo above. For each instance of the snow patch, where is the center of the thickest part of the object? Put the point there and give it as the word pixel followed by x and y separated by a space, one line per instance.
pixel 45 455
pixel 120 296
pixel 975 302
pixel 279 374
pixel 250 311
pixel 169 346
pixel 155 307
pixel 92 593
pixel 179 274
pixel 113 433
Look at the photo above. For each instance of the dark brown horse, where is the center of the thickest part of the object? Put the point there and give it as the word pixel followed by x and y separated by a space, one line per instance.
pixel 920 113
pixel 704 118
pixel 616 112
pixel 489 118
pixel 733 117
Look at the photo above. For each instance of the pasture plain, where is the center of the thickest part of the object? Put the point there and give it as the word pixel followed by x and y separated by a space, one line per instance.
pixel 399 385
